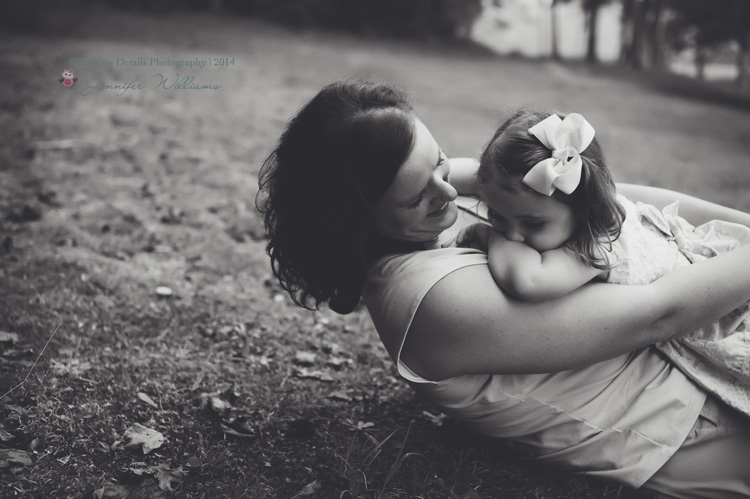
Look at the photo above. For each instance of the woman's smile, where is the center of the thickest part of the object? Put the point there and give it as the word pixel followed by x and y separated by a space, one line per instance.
pixel 439 212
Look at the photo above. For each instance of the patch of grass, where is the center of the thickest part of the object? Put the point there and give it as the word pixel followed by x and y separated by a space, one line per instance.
pixel 105 199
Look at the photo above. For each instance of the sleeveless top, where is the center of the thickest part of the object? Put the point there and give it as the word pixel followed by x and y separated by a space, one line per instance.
pixel 620 419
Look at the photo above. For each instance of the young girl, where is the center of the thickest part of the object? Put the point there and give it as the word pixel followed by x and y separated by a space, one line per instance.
pixel 557 223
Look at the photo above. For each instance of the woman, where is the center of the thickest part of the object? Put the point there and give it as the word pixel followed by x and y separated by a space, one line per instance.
pixel 357 200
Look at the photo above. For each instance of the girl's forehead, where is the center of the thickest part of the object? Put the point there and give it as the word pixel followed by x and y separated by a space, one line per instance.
pixel 520 202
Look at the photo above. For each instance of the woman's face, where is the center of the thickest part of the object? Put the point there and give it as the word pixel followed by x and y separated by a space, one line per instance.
pixel 541 222
pixel 418 205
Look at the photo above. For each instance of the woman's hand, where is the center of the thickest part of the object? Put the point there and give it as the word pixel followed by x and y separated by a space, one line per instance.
pixel 695 210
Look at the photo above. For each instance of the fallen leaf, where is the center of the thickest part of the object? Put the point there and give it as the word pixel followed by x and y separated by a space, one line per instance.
pixel 109 490
pixel 147 399
pixel 219 401
pixel 6 337
pixel 308 490
pixel 14 457
pixel 360 425
pixel 167 476
pixel 305 358
pixel 73 367
pixel 332 348
pixel 238 423
pixel 5 436
pixel 315 374
pixel 216 404
pixel 337 362
pixel 139 468
pixel 14 408
pixel 262 360
pixel 140 436
pixel 339 396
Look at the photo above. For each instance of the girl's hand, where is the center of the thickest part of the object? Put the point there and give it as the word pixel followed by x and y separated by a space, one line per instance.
pixel 472 236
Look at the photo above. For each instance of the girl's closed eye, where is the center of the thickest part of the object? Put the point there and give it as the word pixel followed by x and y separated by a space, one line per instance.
pixel 535 225
pixel 491 215
pixel 496 220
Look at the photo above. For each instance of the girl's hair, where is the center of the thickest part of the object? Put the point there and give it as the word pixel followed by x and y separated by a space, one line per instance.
pixel 513 151
pixel 335 159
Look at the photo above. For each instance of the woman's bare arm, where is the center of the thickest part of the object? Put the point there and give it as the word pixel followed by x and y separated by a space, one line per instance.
pixel 695 210
pixel 466 325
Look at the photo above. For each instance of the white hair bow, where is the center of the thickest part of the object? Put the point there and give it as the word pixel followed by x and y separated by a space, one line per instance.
pixel 567 139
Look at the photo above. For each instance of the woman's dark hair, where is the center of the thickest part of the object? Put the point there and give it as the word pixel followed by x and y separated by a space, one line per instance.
pixel 335 159
pixel 513 151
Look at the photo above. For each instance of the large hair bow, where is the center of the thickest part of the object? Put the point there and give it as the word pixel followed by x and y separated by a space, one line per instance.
pixel 567 139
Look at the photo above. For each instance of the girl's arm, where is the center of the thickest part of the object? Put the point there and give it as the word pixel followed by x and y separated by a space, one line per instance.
pixel 532 276
pixel 694 210
pixel 463 176
pixel 466 325
pixel 522 271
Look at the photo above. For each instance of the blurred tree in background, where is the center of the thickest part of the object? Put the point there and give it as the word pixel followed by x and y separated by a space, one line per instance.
pixel 706 26
pixel 451 19
pixel 445 19
pixel 642 46
pixel 652 31
pixel 591 8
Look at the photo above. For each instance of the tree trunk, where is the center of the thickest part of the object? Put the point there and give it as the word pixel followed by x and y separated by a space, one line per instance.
pixel 639 28
pixel 700 63
pixel 633 54
pixel 743 65
pixel 553 31
pixel 656 44
pixel 626 32
pixel 592 18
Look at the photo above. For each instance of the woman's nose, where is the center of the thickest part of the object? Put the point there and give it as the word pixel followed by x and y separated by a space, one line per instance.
pixel 446 191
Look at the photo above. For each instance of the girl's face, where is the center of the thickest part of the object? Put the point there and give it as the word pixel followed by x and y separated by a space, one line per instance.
pixel 541 222
pixel 419 205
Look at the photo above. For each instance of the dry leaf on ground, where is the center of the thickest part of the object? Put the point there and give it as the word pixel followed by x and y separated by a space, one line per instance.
pixel 14 457
pixel 139 436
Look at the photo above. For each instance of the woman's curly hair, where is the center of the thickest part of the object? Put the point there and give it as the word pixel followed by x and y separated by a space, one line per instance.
pixel 513 151
pixel 335 159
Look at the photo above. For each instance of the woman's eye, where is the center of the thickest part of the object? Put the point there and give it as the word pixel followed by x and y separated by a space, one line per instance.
pixel 418 202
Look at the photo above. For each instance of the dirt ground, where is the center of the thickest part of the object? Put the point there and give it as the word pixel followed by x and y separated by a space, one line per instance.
pixel 132 258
